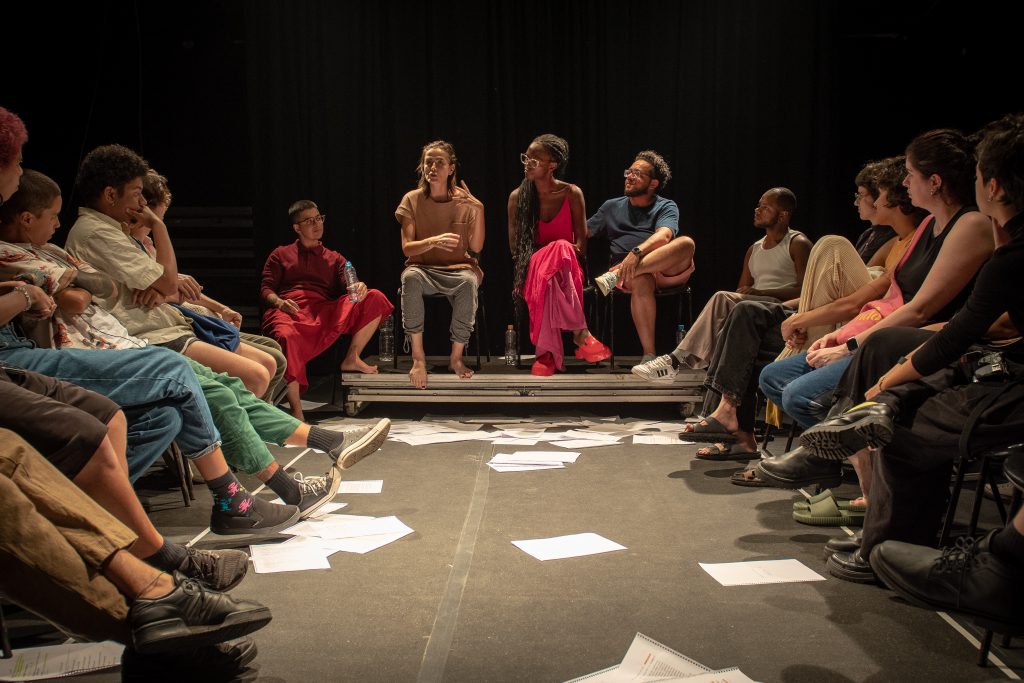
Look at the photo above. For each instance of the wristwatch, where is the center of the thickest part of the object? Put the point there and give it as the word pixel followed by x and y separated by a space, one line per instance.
pixel 638 252
pixel 851 344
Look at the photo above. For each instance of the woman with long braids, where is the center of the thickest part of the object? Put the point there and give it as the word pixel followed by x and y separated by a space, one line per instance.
pixel 547 233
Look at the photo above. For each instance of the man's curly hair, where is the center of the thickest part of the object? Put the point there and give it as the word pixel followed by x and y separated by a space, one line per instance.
pixel 108 166
pixel 662 173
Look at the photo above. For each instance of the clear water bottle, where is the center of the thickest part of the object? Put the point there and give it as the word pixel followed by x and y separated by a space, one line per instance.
pixel 511 346
pixel 351 280
pixel 680 333
pixel 386 340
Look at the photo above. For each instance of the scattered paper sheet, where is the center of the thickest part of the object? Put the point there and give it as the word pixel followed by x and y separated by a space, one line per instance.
pixel 512 441
pixel 368 486
pixel 362 544
pixel 525 467
pixel 334 528
pixel 288 557
pixel 561 547
pixel 647 657
pixel 327 509
pixel 657 440
pixel 312 405
pixel 760 571
pixel 58 661
pixel 591 435
pixel 582 443
pixel 530 457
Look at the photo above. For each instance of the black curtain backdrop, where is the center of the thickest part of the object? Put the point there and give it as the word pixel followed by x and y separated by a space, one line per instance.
pixel 260 103
pixel 735 95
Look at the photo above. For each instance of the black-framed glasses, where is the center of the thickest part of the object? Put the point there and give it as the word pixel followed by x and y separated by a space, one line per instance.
pixel 530 162
pixel 636 173
pixel 312 220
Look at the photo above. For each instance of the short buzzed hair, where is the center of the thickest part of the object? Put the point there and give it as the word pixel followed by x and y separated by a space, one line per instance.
pixel 298 207
pixel 35 194
pixel 785 198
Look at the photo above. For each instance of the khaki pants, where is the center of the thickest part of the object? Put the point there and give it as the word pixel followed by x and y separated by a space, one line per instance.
pixel 53 541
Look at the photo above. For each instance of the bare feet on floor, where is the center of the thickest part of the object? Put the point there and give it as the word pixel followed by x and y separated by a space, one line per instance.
pixel 459 368
pixel 418 374
pixel 358 365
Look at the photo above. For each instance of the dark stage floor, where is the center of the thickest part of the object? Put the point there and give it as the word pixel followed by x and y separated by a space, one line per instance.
pixel 456 601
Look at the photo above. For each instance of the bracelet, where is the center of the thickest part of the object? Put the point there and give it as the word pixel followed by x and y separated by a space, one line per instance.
pixel 28 297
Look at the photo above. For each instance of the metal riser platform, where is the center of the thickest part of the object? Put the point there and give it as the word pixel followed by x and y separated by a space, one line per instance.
pixel 496 382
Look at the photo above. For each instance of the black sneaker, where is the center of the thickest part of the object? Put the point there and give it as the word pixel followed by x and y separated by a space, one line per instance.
pixel 219 570
pixel 220 662
pixel 359 443
pixel 261 518
pixel 191 616
pixel 317 491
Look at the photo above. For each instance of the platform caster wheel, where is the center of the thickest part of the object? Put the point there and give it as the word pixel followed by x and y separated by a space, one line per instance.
pixel 353 408
pixel 687 409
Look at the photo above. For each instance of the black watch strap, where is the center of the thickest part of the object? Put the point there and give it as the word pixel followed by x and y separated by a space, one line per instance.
pixel 851 344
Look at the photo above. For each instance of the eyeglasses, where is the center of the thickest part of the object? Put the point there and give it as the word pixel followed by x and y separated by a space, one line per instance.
pixel 530 162
pixel 635 173
pixel 313 220
pixel 857 196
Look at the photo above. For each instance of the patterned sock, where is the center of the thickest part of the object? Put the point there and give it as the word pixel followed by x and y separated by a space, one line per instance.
pixel 324 439
pixel 229 496
pixel 285 486
pixel 1008 545
pixel 168 558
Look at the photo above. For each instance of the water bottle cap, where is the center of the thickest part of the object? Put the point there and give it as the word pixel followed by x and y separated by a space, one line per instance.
pixel 348 263
pixel 682 328
pixel 511 327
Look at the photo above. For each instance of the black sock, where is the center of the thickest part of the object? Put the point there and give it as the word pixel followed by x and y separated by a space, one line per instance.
pixel 1008 545
pixel 229 496
pixel 324 439
pixel 675 361
pixel 168 558
pixel 285 486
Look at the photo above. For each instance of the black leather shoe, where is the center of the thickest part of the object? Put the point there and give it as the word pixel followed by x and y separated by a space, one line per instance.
pixel 965 578
pixel 798 468
pixel 851 567
pixel 868 425
pixel 192 616
pixel 221 662
pixel 846 544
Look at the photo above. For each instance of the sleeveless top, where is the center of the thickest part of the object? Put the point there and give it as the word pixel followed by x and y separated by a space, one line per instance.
pixel 773 268
pixel 559 227
pixel 912 273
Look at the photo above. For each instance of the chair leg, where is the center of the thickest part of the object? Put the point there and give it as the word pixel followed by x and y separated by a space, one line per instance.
pixel 482 312
pixel 979 493
pixel 5 643
pixel 954 498
pixel 179 464
pixel 611 328
pixel 792 435
pixel 983 649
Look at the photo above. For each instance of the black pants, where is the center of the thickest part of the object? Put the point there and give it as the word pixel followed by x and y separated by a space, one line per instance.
pixel 910 485
pixel 875 357
pixel 750 339
pixel 63 421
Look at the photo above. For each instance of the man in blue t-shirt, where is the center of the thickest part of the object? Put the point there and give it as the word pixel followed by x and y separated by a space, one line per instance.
pixel 646 254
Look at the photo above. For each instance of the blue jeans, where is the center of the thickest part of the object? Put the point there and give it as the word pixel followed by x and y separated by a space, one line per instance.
pixel 803 392
pixel 150 432
pixel 139 380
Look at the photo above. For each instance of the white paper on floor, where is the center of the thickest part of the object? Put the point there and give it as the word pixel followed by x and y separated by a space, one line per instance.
pixel 582 443
pixel 59 661
pixel 327 509
pixel 561 547
pixel 657 440
pixel 524 467
pixel 512 441
pixel 759 572
pixel 532 457
pixel 648 661
pixel 288 557
pixel 368 486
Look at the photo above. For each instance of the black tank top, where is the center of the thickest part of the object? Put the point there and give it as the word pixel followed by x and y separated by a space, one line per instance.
pixel 914 270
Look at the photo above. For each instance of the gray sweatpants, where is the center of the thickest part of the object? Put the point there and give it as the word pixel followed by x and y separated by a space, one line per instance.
pixel 458 286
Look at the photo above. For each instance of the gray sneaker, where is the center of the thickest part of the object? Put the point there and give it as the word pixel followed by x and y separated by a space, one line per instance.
pixel 606 283
pixel 359 443
pixel 317 491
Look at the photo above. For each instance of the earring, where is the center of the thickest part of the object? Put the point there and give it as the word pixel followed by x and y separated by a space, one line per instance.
pixel 934 190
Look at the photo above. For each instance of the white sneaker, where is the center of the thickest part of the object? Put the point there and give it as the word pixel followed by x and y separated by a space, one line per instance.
pixel 606 283
pixel 658 370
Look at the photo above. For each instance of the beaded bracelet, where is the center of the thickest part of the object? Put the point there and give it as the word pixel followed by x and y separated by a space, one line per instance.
pixel 28 297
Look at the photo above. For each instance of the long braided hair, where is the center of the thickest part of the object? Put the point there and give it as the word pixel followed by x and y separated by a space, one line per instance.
pixel 528 209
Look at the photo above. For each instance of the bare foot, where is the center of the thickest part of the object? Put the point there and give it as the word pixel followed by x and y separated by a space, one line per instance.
pixel 418 374
pixel 460 369
pixel 859 502
pixel 358 365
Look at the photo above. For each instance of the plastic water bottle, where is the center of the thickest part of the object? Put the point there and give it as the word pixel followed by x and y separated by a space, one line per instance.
pixel 511 346
pixel 351 280
pixel 386 340
pixel 680 333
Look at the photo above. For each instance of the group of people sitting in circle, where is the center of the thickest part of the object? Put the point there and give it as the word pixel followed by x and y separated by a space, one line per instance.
pixel 899 353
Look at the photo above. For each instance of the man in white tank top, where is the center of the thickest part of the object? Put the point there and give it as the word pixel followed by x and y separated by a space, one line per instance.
pixel 773 270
